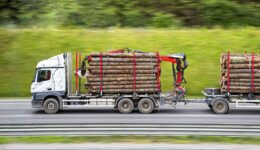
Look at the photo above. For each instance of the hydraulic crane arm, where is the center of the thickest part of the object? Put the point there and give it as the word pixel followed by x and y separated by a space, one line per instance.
pixel 178 71
pixel 181 65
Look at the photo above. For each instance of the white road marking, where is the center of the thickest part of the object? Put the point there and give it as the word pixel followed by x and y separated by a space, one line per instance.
pixel 130 116
pixel 14 108
pixel 16 100
pixel 9 116
pixel 131 146
pixel 6 103
pixel 207 129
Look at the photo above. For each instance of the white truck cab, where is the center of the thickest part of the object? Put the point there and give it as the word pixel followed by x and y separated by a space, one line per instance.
pixel 49 81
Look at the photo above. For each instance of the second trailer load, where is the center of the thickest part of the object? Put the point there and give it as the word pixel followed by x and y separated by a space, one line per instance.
pixel 240 73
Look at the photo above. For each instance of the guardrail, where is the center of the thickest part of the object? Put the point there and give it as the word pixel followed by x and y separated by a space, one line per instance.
pixel 129 129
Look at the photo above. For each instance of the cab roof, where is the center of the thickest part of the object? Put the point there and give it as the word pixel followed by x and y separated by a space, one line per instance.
pixel 53 62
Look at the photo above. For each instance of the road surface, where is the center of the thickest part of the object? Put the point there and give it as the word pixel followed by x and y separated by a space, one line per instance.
pixel 130 146
pixel 20 112
pixel 182 120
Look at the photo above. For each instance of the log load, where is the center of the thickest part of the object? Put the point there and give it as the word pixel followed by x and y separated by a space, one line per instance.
pixel 123 73
pixel 240 73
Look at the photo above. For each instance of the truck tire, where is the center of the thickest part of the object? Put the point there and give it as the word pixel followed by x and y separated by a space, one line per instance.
pixel 125 106
pixel 220 107
pixel 51 106
pixel 210 107
pixel 145 105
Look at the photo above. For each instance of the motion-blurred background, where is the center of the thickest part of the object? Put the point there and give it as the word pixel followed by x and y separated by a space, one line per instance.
pixel 32 30
pixel 129 13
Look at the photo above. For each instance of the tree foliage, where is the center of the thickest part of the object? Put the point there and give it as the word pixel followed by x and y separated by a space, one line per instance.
pixel 129 13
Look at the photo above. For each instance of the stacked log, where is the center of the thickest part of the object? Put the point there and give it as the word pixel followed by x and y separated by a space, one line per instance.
pixel 240 73
pixel 123 73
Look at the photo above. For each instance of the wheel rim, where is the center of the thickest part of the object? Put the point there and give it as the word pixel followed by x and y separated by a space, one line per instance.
pixel 125 105
pixel 51 106
pixel 220 107
pixel 145 105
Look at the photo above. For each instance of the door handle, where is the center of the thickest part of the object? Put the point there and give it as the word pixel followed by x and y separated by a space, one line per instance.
pixel 49 89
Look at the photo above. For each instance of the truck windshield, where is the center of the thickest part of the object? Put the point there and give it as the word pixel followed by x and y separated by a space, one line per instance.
pixel 34 75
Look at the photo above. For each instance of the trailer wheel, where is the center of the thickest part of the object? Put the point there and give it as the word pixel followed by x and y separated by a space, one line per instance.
pixel 145 105
pixel 220 107
pixel 51 106
pixel 125 106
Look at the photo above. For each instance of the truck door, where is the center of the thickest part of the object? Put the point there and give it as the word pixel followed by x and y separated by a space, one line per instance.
pixel 44 81
pixel 49 79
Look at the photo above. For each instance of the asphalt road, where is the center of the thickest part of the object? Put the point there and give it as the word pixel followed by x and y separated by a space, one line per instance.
pixel 18 118
pixel 130 146
pixel 20 112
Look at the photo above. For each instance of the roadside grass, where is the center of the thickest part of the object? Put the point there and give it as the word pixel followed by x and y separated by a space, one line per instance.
pixel 21 49
pixel 131 139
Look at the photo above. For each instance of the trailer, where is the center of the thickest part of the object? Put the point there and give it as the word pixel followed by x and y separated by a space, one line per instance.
pixel 239 83
pixel 52 88
pixel 219 103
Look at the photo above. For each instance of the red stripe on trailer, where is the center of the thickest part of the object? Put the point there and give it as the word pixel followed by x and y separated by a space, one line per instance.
pixel 76 72
pixel 134 68
pixel 253 73
pixel 101 72
pixel 79 78
pixel 228 72
pixel 158 71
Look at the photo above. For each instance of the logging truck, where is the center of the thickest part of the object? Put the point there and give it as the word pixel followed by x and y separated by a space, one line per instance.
pixel 125 79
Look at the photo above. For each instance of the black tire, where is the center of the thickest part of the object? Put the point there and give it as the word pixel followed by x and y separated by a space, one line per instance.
pixel 220 107
pixel 210 106
pixel 145 105
pixel 125 106
pixel 51 106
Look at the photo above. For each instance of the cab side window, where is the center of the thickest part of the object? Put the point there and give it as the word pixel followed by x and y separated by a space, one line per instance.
pixel 43 75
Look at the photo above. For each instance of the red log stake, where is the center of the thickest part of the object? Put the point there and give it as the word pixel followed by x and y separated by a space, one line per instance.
pixel 134 68
pixel 158 71
pixel 228 72
pixel 101 73
pixel 76 73
pixel 253 73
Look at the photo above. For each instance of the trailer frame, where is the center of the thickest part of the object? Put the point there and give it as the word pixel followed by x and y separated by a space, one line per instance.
pixel 240 101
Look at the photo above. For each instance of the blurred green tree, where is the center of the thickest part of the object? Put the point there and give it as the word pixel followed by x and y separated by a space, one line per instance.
pixel 129 13
pixel 165 20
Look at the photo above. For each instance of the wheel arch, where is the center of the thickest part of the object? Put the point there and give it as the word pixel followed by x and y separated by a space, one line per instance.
pixel 57 97
pixel 149 97
pixel 219 99
pixel 119 98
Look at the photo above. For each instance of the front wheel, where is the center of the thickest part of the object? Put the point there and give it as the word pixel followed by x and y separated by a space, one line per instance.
pixel 145 105
pixel 51 106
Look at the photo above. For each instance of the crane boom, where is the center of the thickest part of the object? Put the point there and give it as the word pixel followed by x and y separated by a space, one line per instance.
pixel 181 65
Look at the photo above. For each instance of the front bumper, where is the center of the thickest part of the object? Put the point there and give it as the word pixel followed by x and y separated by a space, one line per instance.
pixel 36 103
